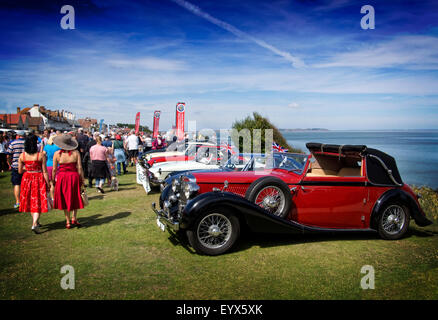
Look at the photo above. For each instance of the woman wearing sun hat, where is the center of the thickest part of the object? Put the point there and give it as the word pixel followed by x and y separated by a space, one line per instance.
pixel 69 178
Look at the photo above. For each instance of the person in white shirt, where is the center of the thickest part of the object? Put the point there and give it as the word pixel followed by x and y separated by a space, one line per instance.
pixel 131 144
pixel 148 143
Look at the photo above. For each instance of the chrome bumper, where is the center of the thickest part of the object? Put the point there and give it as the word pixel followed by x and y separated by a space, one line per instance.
pixel 162 217
pixel 156 182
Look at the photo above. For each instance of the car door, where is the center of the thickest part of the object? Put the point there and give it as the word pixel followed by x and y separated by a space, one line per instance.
pixel 331 202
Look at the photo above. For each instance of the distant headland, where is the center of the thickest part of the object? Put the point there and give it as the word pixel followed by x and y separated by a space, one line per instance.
pixel 306 129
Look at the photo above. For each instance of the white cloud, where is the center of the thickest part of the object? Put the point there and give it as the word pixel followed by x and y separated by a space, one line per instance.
pixel 151 63
pixel 293 105
pixel 410 52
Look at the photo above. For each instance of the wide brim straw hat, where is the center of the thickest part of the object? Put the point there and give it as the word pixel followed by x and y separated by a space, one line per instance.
pixel 65 142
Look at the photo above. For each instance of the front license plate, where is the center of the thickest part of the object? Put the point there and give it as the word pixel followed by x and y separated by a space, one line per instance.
pixel 161 225
pixel 146 185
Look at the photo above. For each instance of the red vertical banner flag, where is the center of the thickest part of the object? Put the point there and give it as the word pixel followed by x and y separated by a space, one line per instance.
pixel 180 112
pixel 137 122
pixel 156 124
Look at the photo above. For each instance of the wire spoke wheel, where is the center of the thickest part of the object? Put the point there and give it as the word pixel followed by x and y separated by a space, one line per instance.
pixel 272 199
pixel 393 219
pixel 214 230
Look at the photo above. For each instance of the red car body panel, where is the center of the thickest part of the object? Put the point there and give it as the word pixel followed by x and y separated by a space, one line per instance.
pixel 324 202
pixel 170 158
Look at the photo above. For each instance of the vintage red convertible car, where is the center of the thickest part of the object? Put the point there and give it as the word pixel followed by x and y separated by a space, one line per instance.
pixel 336 188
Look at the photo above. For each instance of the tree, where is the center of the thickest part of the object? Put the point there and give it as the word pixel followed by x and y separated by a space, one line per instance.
pixel 262 123
pixel 132 126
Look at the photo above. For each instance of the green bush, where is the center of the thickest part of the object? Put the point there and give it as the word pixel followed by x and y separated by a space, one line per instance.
pixel 428 201
pixel 262 123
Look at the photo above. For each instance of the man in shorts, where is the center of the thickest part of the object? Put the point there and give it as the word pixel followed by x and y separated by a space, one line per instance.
pixel 132 145
pixel 16 147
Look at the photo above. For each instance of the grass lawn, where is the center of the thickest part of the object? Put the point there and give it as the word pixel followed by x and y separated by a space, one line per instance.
pixel 120 253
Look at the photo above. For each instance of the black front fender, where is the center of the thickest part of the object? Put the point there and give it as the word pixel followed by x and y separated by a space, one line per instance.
pixel 257 219
pixel 402 196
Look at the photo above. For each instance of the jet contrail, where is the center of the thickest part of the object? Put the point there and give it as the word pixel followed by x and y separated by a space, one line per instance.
pixel 296 62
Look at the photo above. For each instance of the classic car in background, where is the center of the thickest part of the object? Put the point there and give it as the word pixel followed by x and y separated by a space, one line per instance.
pixel 176 149
pixel 336 188
pixel 191 154
pixel 242 162
pixel 207 158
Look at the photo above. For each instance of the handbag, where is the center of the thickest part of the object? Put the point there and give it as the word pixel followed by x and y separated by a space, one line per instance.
pixel 49 202
pixel 84 197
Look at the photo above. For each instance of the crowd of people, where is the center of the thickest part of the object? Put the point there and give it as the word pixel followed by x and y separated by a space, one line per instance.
pixel 48 170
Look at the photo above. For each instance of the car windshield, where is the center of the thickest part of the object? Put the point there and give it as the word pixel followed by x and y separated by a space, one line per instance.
pixel 237 162
pixel 208 155
pixel 287 161
pixel 177 146
pixel 191 150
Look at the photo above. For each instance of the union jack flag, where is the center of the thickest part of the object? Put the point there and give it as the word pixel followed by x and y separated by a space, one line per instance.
pixel 227 147
pixel 278 148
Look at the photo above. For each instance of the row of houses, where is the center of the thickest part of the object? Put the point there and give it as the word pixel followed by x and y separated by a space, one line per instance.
pixel 39 118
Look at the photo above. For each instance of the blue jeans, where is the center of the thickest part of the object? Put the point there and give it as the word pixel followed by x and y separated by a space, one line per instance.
pixel 118 167
pixel 99 181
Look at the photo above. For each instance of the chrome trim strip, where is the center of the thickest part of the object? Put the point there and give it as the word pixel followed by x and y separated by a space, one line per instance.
pixel 386 168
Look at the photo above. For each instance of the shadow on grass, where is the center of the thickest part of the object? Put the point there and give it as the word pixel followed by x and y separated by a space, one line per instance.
pixel 97 197
pixel 155 190
pixel 420 233
pixel 4 212
pixel 121 189
pixel 180 239
pixel 87 222
pixel 249 239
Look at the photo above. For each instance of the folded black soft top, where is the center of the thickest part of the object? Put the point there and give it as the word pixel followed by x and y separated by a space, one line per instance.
pixel 335 148
pixel 381 167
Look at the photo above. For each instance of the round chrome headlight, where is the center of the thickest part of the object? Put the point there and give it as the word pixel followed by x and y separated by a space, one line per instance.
pixel 173 198
pixel 175 185
pixel 187 191
pixel 190 189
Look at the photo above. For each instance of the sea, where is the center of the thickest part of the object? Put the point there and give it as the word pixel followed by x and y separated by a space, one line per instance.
pixel 415 151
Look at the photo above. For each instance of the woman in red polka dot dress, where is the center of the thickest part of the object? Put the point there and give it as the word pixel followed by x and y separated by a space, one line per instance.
pixel 35 181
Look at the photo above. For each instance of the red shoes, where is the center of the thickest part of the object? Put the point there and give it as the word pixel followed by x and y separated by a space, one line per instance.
pixel 76 223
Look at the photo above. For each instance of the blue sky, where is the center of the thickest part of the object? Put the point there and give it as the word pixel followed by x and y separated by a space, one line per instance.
pixel 301 63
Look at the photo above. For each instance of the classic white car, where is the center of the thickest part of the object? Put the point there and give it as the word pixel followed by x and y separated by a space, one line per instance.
pixel 190 148
pixel 206 160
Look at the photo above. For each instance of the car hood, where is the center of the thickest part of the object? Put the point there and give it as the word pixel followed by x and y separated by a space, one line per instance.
pixel 165 154
pixel 181 165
